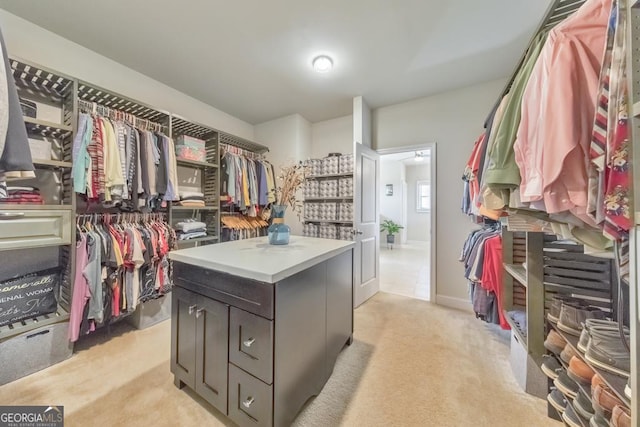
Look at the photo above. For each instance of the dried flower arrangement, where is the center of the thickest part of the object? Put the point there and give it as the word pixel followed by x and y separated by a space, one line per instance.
pixel 290 180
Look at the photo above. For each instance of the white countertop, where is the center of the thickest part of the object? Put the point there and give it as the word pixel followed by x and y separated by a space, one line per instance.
pixel 257 259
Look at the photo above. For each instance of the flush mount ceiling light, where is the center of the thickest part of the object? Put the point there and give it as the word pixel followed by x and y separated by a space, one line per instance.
pixel 322 64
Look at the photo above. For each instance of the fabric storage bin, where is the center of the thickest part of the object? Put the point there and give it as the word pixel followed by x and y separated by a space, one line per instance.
pixel 151 312
pixel 344 233
pixel 345 187
pixel 189 148
pixel 330 165
pixel 311 189
pixel 40 150
pixel 329 212
pixel 312 210
pixel 328 231
pixel 32 351
pixel 345 211
pixel 346 163
pixel 329 188
pixel 20 293
pixel 314 167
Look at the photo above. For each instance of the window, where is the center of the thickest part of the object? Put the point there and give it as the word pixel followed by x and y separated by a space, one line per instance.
pixel 423 196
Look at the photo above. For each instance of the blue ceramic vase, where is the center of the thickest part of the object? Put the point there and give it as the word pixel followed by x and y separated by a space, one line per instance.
pixel 278 231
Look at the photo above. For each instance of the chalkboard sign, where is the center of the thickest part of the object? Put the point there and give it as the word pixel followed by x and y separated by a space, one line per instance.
pixel 29 296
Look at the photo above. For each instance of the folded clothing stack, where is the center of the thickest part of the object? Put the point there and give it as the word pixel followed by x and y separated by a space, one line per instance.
pixel 192 198
pixel 23 196
pixel 190 229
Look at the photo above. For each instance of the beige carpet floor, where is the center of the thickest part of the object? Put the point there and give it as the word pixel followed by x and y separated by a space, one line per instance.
pixel 412 364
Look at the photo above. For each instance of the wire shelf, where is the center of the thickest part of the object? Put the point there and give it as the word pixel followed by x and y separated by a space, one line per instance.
pixel 180 126
pixel 39 80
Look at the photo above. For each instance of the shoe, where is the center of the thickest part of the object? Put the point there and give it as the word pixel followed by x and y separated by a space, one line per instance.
pixel 606 350
pixel 582 404
pixel 557 400
pixel 604 400
pixel 571 417
pixel 620 417
pixel 572 318
pixel 627 389
pixel 594 324
pixel 597 381
pixel 580 372
pixel 556 305
pixel 566 385
pixel 551 367
pixel 567 353
pixel 554 342
pixel 598 421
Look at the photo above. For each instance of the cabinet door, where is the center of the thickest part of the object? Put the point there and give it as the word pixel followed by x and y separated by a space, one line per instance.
pixel 212 350
pixel 183 336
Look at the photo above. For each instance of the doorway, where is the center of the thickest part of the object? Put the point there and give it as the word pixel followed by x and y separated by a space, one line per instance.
pixel 407 197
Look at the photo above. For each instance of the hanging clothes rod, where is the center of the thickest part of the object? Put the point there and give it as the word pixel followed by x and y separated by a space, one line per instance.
pixel 101 110
pixel 226 148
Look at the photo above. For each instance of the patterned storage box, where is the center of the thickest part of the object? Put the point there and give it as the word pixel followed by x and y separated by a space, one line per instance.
pixel 345 211
pixel 189 148
pixel 345 187
pixel 331 165
pixel 311 189
pixel 314 167
pixel 311 230
pixel 346 163
pixel 329 188
pixel 344 233
pixel 312 211
pixel 328 231
pixel 328 212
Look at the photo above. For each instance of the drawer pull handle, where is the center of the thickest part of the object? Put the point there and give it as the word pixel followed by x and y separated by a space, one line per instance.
pixel 11 215
pixel 199 312
pixel 247 403
pixel 192 308
pixel 249 342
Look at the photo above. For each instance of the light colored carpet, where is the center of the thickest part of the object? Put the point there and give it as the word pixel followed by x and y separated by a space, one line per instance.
pixel 412 364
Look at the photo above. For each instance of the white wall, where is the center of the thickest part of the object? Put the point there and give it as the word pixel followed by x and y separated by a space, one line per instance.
pixel 453 120
pixel 418 223
pixel 332 136
pixel 32 43
pixel 289 141
pixel 391 172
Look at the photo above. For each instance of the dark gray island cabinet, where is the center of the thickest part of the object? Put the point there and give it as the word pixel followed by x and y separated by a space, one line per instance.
pixel 256 329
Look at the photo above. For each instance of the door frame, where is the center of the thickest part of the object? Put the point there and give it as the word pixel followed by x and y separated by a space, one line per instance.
pixel 431 146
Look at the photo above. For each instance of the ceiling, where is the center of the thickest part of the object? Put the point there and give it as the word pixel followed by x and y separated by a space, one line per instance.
pixel 252 59
pixel 408 158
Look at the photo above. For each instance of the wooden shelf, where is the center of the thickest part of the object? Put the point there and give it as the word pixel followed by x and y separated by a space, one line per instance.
pixel 337 175
pixel 320 199
pixel 615 382
pixel 196 164
pixel 518 272
pixel 53 164
pixel 46 129
pixel 194 208
pixel 198 239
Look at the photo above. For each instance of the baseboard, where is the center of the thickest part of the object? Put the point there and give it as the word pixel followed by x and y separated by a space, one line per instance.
pixel 452 302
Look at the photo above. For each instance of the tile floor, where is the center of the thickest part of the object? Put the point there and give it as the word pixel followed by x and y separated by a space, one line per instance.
pixel 404 270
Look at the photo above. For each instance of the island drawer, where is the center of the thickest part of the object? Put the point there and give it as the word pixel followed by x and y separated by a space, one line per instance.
pixel 250 295
pixel 251 344
pixel 250 400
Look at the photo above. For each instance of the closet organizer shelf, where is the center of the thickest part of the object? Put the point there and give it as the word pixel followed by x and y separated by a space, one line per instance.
pixel 17 207
pixel 615 382
pixel 46 128
pixel 197 239
pixel 26 325
pixel 196 164
pixel 518 272
pixel 52 164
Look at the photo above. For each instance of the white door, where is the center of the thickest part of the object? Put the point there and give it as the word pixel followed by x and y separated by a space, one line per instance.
pixel 366 224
